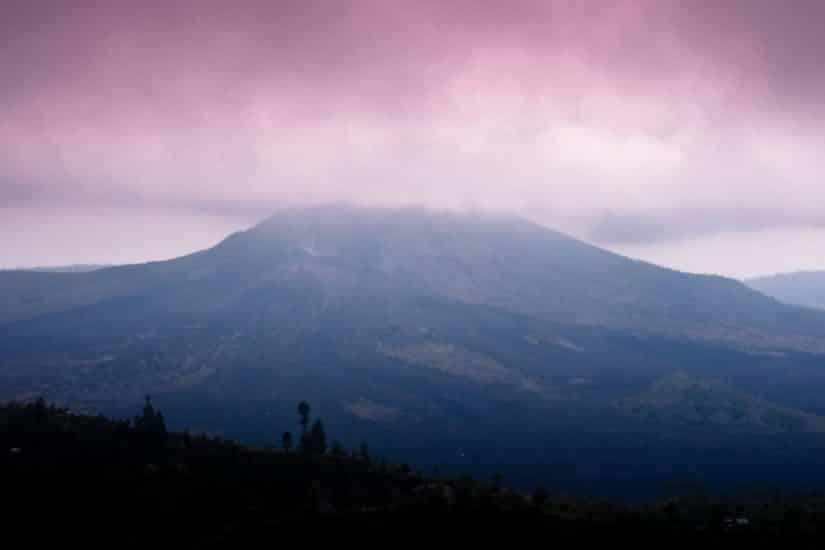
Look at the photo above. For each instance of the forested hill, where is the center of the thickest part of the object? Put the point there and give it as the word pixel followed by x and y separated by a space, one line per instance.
pixel 71 479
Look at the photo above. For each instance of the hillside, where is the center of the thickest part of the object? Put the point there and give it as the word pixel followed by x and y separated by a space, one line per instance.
pixel 803 288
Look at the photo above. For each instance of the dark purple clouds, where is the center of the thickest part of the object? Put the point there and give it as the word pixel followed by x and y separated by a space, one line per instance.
pixel 392 55
pixel 624 122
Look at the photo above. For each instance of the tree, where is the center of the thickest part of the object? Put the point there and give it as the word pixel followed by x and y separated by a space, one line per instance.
pixel 159 424
pixel 286 441
pixel 151 428
pixel 303 411
pixel 143 421
pixel 150 421
pixel 317 438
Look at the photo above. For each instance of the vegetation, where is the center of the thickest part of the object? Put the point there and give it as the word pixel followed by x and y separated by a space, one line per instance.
pixel 93 481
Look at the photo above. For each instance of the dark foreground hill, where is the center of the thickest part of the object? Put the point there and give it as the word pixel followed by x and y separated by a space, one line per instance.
pixel 72 480
pixel 471 343
pixel 803 288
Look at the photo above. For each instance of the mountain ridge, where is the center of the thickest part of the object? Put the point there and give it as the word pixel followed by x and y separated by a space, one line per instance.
pixel 801 288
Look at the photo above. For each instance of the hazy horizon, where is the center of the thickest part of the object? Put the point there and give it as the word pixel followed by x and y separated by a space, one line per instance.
pixel 130 259
pixel 687 134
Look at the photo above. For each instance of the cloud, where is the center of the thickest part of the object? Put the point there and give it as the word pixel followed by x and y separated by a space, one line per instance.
pixel 623 122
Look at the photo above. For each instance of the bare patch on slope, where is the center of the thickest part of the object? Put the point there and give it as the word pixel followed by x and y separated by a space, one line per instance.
pixel 370 410
pixel 464 363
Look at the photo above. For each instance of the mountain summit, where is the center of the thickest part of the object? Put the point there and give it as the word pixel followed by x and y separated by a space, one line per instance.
pixel 336 256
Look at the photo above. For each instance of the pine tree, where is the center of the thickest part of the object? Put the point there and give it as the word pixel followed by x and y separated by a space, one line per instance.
pixel 159 424
pixel 317 438
pixel 304 410
pixel 152 428
pixel 147 421
pixel 152 420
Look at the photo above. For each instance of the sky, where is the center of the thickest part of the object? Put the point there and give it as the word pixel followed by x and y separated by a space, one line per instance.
pixel 688 133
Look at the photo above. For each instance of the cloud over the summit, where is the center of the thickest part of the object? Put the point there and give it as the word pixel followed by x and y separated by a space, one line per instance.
pixel 623 122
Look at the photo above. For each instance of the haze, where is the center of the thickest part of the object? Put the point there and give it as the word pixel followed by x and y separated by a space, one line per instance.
pixel 685 133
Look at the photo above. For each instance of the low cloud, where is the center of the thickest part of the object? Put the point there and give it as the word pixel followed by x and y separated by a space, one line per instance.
pixel 624 123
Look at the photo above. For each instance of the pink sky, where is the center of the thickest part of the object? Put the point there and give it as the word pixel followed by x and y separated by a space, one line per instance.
pixel 687 133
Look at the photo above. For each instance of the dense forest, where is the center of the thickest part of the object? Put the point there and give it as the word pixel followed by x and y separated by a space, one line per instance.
pixel 72 478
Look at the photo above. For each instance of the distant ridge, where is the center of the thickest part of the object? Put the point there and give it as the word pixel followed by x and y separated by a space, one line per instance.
pixel 802 288
pixel 74 268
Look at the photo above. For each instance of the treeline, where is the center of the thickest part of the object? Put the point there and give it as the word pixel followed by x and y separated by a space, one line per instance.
pixel 131 483
pixel 313 440
pixel 135 481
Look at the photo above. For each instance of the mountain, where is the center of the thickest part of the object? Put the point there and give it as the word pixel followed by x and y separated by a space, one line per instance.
pixel 504 263
pixel 443 339
pixel 802 288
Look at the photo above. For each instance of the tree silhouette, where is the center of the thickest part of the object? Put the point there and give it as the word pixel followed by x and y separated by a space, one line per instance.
pixel 151 429
pixel 160 423
pixel 286 441
pixel 150 421
pixel 303 411
pixel 317 442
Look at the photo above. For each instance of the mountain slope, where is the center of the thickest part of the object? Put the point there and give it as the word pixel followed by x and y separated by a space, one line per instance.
pixel 803 288
pixel 510 264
